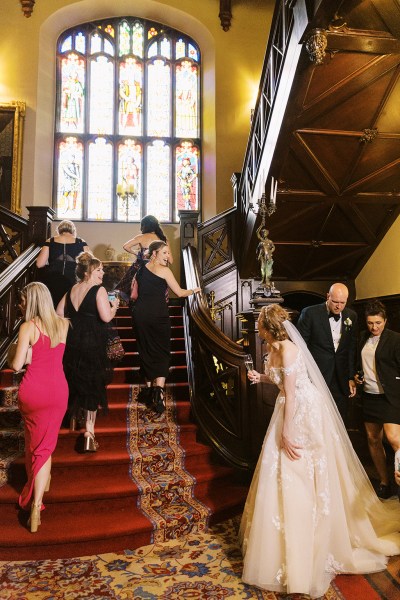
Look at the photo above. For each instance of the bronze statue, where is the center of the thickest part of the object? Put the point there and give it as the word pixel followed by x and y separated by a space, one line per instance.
pixel 264 253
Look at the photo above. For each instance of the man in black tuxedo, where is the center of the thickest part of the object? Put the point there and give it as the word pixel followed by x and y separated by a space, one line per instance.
pixel 330 331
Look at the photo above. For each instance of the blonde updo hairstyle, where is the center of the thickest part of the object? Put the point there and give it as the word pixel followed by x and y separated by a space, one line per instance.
pixel 271 319
pixel 86 263
pixel 66 227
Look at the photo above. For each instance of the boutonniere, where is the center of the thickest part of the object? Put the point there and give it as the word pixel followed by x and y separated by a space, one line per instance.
pixel 348 324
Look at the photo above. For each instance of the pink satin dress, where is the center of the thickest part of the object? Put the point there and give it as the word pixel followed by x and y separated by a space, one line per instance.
pixel 43 398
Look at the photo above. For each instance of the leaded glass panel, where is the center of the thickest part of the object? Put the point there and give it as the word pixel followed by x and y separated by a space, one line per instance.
pixel 129 186
pixel 73 94
pixel 127 139
pixel 137 39
pixel 100 180
pixel 124 39
pixel 159 99
pixel 187 170
pixel 130 97
pixel 101 95
pixel 187 119
pixel 69 189
pixel 158 180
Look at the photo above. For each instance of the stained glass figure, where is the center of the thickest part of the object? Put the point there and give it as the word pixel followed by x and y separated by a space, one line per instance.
pixel 187 177
pixel 186 99
pixel 72 101
pixel 69 193
pixel 100 180
pixel 129 181
pixel 130 97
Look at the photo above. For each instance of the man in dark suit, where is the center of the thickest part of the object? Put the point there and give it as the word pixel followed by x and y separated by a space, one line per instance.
pixel 330 331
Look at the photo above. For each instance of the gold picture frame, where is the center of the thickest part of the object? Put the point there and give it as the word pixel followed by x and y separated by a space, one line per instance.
pixel 12 115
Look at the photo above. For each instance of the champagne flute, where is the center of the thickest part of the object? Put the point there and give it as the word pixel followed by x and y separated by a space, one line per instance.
pixel 248 362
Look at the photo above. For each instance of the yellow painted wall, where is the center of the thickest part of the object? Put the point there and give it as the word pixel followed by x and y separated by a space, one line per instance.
pixel 381 274
pixel 232 64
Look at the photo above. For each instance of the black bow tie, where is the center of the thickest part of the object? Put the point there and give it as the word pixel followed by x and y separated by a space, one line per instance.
pixel 333 316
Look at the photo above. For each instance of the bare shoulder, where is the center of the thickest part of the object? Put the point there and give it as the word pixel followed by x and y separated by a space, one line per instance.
pixel 289 352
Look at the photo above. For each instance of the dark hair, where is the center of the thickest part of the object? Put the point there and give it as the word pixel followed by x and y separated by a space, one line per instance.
pixel 86 263
pixel 155 246
pixel 375 307
pixel 150 224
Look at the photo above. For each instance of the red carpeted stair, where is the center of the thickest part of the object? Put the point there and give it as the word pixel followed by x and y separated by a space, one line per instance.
pixel 92 506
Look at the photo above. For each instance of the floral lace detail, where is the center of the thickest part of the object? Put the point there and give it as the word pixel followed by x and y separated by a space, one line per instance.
pixel 332 565
pixel 277 523
pixel 281 575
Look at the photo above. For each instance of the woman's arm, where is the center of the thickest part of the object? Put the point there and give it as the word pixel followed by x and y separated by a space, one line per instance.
pixel 24 342
pixel 106 312
pixel 131 243
pixel 174 285
pixel 61 306
pixel 42 257
pixel 289 355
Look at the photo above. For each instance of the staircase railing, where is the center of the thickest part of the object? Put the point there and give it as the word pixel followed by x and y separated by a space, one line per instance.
pixel 20 242
pixel 224 406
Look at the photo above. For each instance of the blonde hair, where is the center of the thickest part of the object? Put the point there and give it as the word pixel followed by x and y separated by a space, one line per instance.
pixel 86 263
pixel 39 305
pixel 66 227
pixel 271 318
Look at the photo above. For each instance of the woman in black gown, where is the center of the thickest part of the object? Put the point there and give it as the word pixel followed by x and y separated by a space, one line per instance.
pixel 58 254
pixel 151 322
pixel 85 362
pixel 138 246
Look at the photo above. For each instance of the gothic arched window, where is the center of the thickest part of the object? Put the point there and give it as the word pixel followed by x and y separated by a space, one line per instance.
pixel 127 139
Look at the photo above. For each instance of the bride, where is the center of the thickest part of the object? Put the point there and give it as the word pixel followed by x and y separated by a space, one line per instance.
pixel 311 512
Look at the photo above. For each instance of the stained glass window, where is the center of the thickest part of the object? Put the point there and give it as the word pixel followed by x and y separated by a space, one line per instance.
pixel 128 134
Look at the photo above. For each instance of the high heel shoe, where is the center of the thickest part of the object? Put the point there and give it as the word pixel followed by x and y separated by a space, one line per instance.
pixel 158 399
pixel 91 444
pixel 34 519
pixel 47 488
pixel 145 396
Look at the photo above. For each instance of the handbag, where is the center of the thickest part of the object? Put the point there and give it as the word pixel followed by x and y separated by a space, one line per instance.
pixel 115 349
pixel 134 288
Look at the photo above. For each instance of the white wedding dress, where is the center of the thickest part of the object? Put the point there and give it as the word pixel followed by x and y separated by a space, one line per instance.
pixel 307 520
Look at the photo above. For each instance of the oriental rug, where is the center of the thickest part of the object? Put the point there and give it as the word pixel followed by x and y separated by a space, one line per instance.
pixel 201 566
pixel 157 467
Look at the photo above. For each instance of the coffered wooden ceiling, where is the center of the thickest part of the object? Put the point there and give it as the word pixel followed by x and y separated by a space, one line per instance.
pixel 338 152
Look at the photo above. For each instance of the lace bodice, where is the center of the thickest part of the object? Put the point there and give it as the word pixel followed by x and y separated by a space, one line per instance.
pixel 277 374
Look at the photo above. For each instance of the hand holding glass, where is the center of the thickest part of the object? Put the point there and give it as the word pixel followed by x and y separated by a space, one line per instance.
pixel 248 361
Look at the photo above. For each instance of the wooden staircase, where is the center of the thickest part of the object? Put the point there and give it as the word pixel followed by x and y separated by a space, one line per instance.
pixel 92 504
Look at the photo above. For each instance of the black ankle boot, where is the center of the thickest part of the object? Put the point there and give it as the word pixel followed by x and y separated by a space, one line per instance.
pixel 145 396
pixel 158 399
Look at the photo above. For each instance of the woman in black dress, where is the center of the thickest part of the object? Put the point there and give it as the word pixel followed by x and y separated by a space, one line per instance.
pixel 379 374
pixel 151 321
pixel 86 364
pixel 59 253
pixel 138 246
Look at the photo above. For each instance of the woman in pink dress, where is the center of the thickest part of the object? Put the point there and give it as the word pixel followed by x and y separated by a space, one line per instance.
pixel 43 393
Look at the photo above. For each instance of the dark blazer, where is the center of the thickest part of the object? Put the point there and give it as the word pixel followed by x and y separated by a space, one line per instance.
pixel 387 361
pixel 313 324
